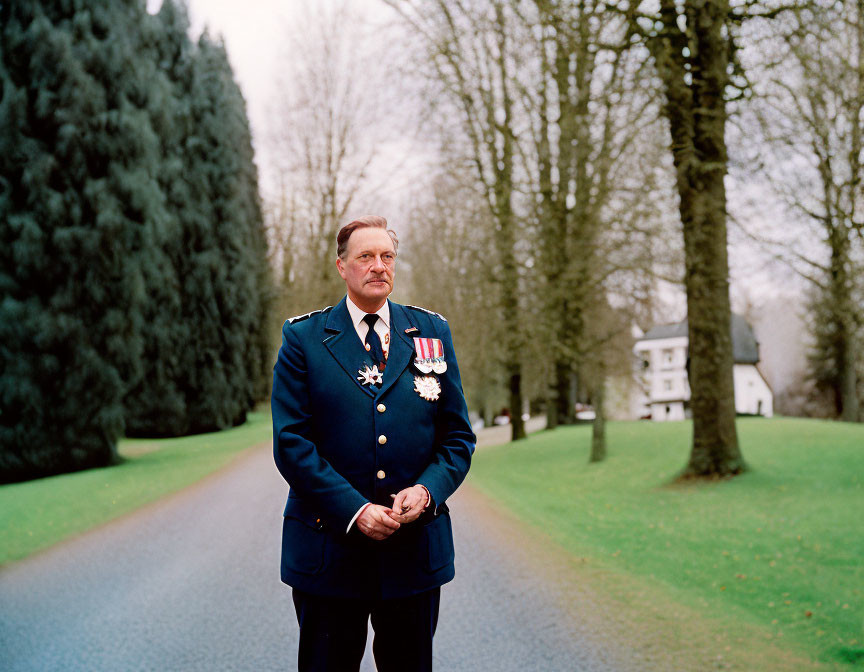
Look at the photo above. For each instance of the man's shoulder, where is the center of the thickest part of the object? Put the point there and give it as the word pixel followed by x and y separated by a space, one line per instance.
pixel 424 311
pixel 307 318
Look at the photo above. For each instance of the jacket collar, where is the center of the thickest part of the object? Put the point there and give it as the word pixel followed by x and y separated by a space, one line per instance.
pixel 341 340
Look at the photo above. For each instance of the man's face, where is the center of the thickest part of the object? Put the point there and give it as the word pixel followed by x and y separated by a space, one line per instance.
pixel 368 267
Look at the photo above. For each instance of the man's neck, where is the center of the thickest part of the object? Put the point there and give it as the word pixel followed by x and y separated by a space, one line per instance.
pixel 367 307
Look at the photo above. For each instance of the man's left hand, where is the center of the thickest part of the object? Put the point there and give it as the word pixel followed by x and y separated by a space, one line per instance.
pixel 408 504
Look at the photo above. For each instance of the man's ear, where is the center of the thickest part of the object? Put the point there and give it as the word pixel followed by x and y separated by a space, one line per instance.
pixel 340 267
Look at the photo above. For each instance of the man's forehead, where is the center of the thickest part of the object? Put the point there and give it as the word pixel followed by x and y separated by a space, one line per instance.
pixel 371 239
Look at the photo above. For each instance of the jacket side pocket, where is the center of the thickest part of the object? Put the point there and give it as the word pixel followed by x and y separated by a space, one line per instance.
pixel 439 538
pixel 304 540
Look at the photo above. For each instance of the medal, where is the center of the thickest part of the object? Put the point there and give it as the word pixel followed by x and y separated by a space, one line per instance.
pixel 430 355
pixel 370 376
pixel 422 367
pixel 427 387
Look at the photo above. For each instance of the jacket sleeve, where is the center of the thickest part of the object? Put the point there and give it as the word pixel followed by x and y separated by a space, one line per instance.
pixel 297 458
pixel 455 440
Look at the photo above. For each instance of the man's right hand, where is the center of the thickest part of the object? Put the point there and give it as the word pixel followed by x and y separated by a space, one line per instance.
pixel 375 522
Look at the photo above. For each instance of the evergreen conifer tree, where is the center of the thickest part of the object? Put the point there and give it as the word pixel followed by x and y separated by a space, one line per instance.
pixel 78 210
pixel 155 400
pixel 134 283
pixel 226 283
pixel 206 355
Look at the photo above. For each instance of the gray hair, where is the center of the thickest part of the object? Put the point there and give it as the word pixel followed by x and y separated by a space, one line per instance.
pixel 364 222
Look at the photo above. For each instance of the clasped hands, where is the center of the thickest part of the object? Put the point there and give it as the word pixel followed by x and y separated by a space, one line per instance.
pixel 379 522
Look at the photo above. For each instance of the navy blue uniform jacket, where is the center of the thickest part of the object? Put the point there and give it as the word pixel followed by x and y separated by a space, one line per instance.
pixel 340 444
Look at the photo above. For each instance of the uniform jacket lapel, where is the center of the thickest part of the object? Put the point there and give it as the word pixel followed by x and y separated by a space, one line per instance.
pixel 341 340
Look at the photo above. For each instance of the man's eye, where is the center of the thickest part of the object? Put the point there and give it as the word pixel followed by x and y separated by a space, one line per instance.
pixel 364 256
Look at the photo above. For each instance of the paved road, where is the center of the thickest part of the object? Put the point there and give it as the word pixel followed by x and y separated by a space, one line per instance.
pixel 192 583
pixel 498 434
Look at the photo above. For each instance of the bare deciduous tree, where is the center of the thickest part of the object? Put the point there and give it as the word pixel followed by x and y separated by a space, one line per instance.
pixel 446 261
pixel 593 173
pixel 332 119
pixel 692 44
pixel 809 110
pixel 473 59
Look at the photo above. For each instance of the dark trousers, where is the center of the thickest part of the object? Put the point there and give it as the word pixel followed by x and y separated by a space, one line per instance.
pixel 333 632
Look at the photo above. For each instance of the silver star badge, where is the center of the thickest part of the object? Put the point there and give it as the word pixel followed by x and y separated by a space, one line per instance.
pixel 370 375
pixel 427 387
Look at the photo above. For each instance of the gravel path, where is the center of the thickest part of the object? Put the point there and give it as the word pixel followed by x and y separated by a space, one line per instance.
pixel 192 583
pixel 496 435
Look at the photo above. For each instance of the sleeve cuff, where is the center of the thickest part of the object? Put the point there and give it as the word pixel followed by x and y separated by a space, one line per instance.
pixel 428 496
pixel 356 516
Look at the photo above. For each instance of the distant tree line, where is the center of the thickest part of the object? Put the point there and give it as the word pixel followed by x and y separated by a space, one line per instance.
pixel 134 282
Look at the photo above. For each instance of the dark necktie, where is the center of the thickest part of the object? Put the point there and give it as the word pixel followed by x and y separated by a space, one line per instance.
pixel 373 341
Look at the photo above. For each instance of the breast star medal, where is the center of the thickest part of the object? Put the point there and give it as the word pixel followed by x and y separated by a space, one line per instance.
pixel 427 387
pixel 430 355
pixel 370 375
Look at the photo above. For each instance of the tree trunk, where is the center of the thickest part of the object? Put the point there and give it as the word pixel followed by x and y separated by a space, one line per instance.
pixel 696 109
pixel 598 428
pixel 564 383
pixel 551 409
pixel 516 421
pixel 849 385
pixel 844 310
pixel 850 411
pixel 506 238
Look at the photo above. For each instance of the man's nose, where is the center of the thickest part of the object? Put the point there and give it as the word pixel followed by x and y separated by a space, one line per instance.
pixel 378 264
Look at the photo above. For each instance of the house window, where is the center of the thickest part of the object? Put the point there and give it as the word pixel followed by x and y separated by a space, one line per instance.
pixel 667 385
pixel 667 356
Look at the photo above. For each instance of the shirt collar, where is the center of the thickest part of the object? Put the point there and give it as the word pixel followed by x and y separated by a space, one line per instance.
pixel 357 315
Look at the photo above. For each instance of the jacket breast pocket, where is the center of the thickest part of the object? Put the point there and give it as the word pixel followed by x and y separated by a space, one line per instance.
pixel 304 541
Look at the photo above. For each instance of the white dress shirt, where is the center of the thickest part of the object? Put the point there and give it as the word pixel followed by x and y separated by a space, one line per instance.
pixel 382 325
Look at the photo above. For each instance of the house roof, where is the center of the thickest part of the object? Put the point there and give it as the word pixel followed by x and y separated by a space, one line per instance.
pixel 744 344
pixel 676 330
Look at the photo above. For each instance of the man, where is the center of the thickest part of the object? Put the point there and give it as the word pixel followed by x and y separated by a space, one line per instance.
pixel 371 431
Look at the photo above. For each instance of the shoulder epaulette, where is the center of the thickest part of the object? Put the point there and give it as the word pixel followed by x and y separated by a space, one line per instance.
pixel 300 318
pixel 428 312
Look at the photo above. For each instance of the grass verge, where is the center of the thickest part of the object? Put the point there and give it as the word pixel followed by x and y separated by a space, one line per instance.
pixel 37 514
pixel 780 547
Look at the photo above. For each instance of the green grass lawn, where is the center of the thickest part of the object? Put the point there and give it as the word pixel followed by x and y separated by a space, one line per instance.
pixel 36 514
pixel 781 546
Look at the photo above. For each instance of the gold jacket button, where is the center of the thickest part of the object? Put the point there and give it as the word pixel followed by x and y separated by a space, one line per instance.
pixel 382 439
pixel 381 408
pixel 381 475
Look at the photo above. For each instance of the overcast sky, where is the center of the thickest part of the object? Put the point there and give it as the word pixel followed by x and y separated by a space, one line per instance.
pixel 256 35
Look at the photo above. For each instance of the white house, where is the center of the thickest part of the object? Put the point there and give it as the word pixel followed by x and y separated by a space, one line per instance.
pixel 663 376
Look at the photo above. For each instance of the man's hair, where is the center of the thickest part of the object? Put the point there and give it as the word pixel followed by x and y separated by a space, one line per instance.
pixel 364 222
